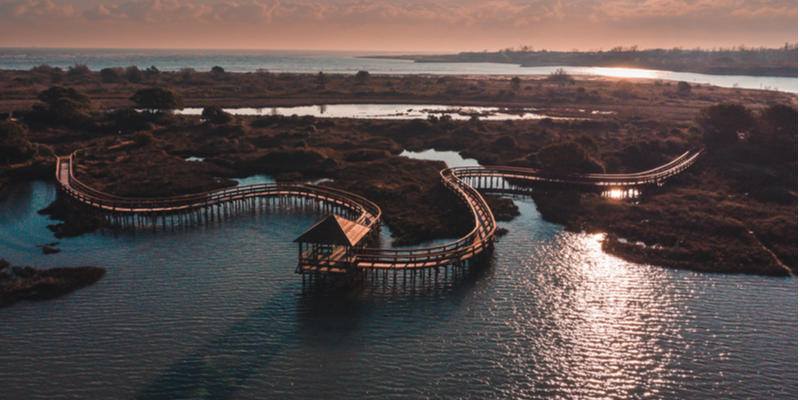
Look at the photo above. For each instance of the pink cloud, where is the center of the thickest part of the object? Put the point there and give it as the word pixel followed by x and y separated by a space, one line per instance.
pixel 768 12
pixel 31 9
pixel 502 14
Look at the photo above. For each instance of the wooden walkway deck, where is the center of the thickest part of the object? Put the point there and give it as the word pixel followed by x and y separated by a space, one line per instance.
pixel 463 181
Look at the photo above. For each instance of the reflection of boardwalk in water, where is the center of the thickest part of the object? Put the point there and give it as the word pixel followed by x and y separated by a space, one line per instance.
pixel 338 245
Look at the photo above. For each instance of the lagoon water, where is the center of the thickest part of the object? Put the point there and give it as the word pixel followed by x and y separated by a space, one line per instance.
pixel 389 111
pixel 339 63
pixel 217 312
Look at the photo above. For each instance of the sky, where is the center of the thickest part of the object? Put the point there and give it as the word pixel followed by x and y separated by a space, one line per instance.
pixel 397 25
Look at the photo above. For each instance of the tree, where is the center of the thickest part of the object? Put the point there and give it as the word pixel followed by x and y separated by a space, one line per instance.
pixel 111 75
pixel 566 156
pixel 780 119
pixel 684 87
pixel 515 83
pixel 157 98
pixel 151 73
pixel 362 77
pixel 321 80
pixel 217 70
pixel 58 95
pixel 133 74
pixel 14 144
pixel 216 115
pixel 722 123
pixel 78 71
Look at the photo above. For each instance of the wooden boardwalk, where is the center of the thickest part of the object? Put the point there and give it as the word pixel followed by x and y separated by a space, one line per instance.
pixel 463 181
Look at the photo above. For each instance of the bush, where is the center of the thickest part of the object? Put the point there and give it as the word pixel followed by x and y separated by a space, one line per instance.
pixel 362 76
pixel 143 138
pixel 78 71
pixel 504 143
pixel 216 115
pixel 560 76
pixel 111 75
pixel 722 122
pixel 157 98
pixel 684 87
pixel 566 156
pixel 14 144
pixel 133 74
pixel 57 95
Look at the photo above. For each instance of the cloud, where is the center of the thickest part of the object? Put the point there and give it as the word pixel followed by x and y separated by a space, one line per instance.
pixel 660 8
pixel 518 20
pixel 34 10
pixel 766 12
pixel 147 11
pixel 502 14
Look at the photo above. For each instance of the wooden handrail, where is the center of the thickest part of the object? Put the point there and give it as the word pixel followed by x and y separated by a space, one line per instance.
pixel 477 240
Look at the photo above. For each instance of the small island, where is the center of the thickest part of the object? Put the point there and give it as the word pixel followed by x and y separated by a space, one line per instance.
pixel 28 283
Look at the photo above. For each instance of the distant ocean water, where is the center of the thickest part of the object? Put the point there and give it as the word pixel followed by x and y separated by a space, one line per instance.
pixel 335 62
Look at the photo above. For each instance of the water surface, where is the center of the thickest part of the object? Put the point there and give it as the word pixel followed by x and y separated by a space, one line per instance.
pixel 217 312
pixel 388 111
pixel 341 62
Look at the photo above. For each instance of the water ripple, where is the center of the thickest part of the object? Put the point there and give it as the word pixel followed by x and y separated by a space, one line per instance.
pixel 217 312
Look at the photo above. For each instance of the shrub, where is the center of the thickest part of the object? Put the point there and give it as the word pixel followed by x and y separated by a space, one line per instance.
pixel 78 71
pixel 143 138
pixel 111 75
pixel 560 76
pixel 362 76
pixel 722 122
pixel 684 87
pixel 57 95
pixel 566 156
pixel 216 115
pixel 133 74
pixel 157 98
pixel 14 144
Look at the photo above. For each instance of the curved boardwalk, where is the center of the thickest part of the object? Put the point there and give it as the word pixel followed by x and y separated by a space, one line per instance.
pixel 463 181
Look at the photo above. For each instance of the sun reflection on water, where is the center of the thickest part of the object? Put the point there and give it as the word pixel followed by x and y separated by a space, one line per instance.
pixel 621 193
pixel 607 328
pixel 613 338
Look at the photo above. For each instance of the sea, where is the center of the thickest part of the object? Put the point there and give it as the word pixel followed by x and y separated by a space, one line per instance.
pixel 341 62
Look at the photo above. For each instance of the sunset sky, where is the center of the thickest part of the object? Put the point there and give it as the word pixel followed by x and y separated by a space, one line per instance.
pixel 397 25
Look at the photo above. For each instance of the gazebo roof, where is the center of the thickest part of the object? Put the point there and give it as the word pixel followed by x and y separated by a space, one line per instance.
pixel 334 230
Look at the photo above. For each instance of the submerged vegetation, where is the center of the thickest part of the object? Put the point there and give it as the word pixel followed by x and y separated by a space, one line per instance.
pixel 736 211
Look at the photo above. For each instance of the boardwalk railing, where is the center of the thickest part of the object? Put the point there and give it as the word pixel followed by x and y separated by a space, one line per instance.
pixel 654 176
pixel 367 213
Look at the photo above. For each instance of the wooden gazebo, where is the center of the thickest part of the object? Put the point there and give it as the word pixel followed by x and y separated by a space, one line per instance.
pixel 329 245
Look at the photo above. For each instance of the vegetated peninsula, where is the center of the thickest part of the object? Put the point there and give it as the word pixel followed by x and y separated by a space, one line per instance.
pixel 28 283
pixel 734 211
pixel 733 61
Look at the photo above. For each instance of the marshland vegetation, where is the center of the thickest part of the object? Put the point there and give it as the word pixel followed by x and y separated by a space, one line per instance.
pixel 735 211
